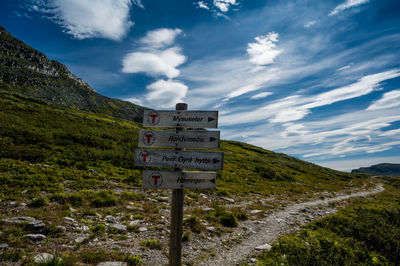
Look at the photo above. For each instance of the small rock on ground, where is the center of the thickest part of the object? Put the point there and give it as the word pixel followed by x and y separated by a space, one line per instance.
pixel 35 237
pixel 4 246
pixel 264 247
pixel 43 258
pixel 112 263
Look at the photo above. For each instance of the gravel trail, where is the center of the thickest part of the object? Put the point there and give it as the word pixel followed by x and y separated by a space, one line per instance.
pixel 254 233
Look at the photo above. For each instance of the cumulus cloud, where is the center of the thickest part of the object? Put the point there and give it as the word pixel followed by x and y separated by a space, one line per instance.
pixel 160 37
pixel 389 100
pixel 166 93
pixel 157 56
pixel 346 5
pixel 89 19
pixel 264 51
pixel 224 5
pixel 156 63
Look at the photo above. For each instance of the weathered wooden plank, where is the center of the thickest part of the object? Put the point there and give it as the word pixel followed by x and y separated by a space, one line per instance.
pixel 193 119
pixel 178 180
pixel 182 139
pixel 179 159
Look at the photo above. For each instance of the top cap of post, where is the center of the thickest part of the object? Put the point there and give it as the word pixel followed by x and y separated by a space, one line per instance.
pixel 181 106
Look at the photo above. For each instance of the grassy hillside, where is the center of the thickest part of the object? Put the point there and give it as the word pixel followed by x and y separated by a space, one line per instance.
pixel 43 146
pixel 57 162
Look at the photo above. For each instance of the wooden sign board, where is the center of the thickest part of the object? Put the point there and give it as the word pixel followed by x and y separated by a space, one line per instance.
pixel 178 180
pixel 179 159
pixel 182 139
pixel 192 119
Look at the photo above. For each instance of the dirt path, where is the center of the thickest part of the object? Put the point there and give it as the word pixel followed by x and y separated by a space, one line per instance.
pixel 254 233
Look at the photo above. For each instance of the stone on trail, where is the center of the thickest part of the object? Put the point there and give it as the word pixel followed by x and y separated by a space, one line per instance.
pixel 255 211
pixel 143 229
pixel 264 247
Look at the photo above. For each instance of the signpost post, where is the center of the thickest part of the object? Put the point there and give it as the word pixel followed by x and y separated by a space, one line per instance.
pixel 177 180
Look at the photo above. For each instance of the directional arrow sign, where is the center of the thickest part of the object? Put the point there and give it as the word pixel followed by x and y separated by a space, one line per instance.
pixel 194 119
pixel 183 139
pixel 178 180
pixel 179 159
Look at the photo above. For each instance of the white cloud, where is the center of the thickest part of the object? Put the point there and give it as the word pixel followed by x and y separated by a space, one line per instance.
pixel 166 93
pixel 261 95
pixel 89 19
pixel 310 24
pixel 134 100
pixel 224 5
pixel 203 5
pixel 156 57
pixel 389 100
pixel 296 107
pixel 155 63
pixel 343 68
pixel 394 132
pixel 160 37
pixel 346 5
pixel 263 51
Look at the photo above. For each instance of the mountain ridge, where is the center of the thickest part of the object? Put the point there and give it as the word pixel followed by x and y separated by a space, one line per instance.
pixel 382 169
pixel 29 72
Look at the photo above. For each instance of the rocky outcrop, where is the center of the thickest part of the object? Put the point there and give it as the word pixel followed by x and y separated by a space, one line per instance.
pixel 27 71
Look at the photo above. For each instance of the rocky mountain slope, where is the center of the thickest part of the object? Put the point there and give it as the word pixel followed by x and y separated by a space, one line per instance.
pixel 29 72
pixel 382 169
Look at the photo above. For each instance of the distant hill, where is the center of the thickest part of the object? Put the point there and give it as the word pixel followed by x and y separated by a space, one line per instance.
pixel 27 71
pixel 382 169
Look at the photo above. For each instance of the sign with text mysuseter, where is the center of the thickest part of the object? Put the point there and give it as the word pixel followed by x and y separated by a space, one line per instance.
pixel 193 119
pixel 181 139
pixel 179 159
pixel 178 179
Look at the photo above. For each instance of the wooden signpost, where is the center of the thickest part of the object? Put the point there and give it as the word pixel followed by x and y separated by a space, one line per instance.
pixel 177 180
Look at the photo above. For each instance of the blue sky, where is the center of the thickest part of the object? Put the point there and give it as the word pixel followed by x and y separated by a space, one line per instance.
pixel 319 80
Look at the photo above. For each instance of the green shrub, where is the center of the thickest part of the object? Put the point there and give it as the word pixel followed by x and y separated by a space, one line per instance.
pixel 104 199
pixel 99 229
pixel 193 222
pixel 228 220
pixel 133 260
pixel 39 202
pixel 151 243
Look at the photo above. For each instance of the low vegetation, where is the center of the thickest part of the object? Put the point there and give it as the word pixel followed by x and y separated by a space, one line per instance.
pixel 364 233
pixel 69 163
